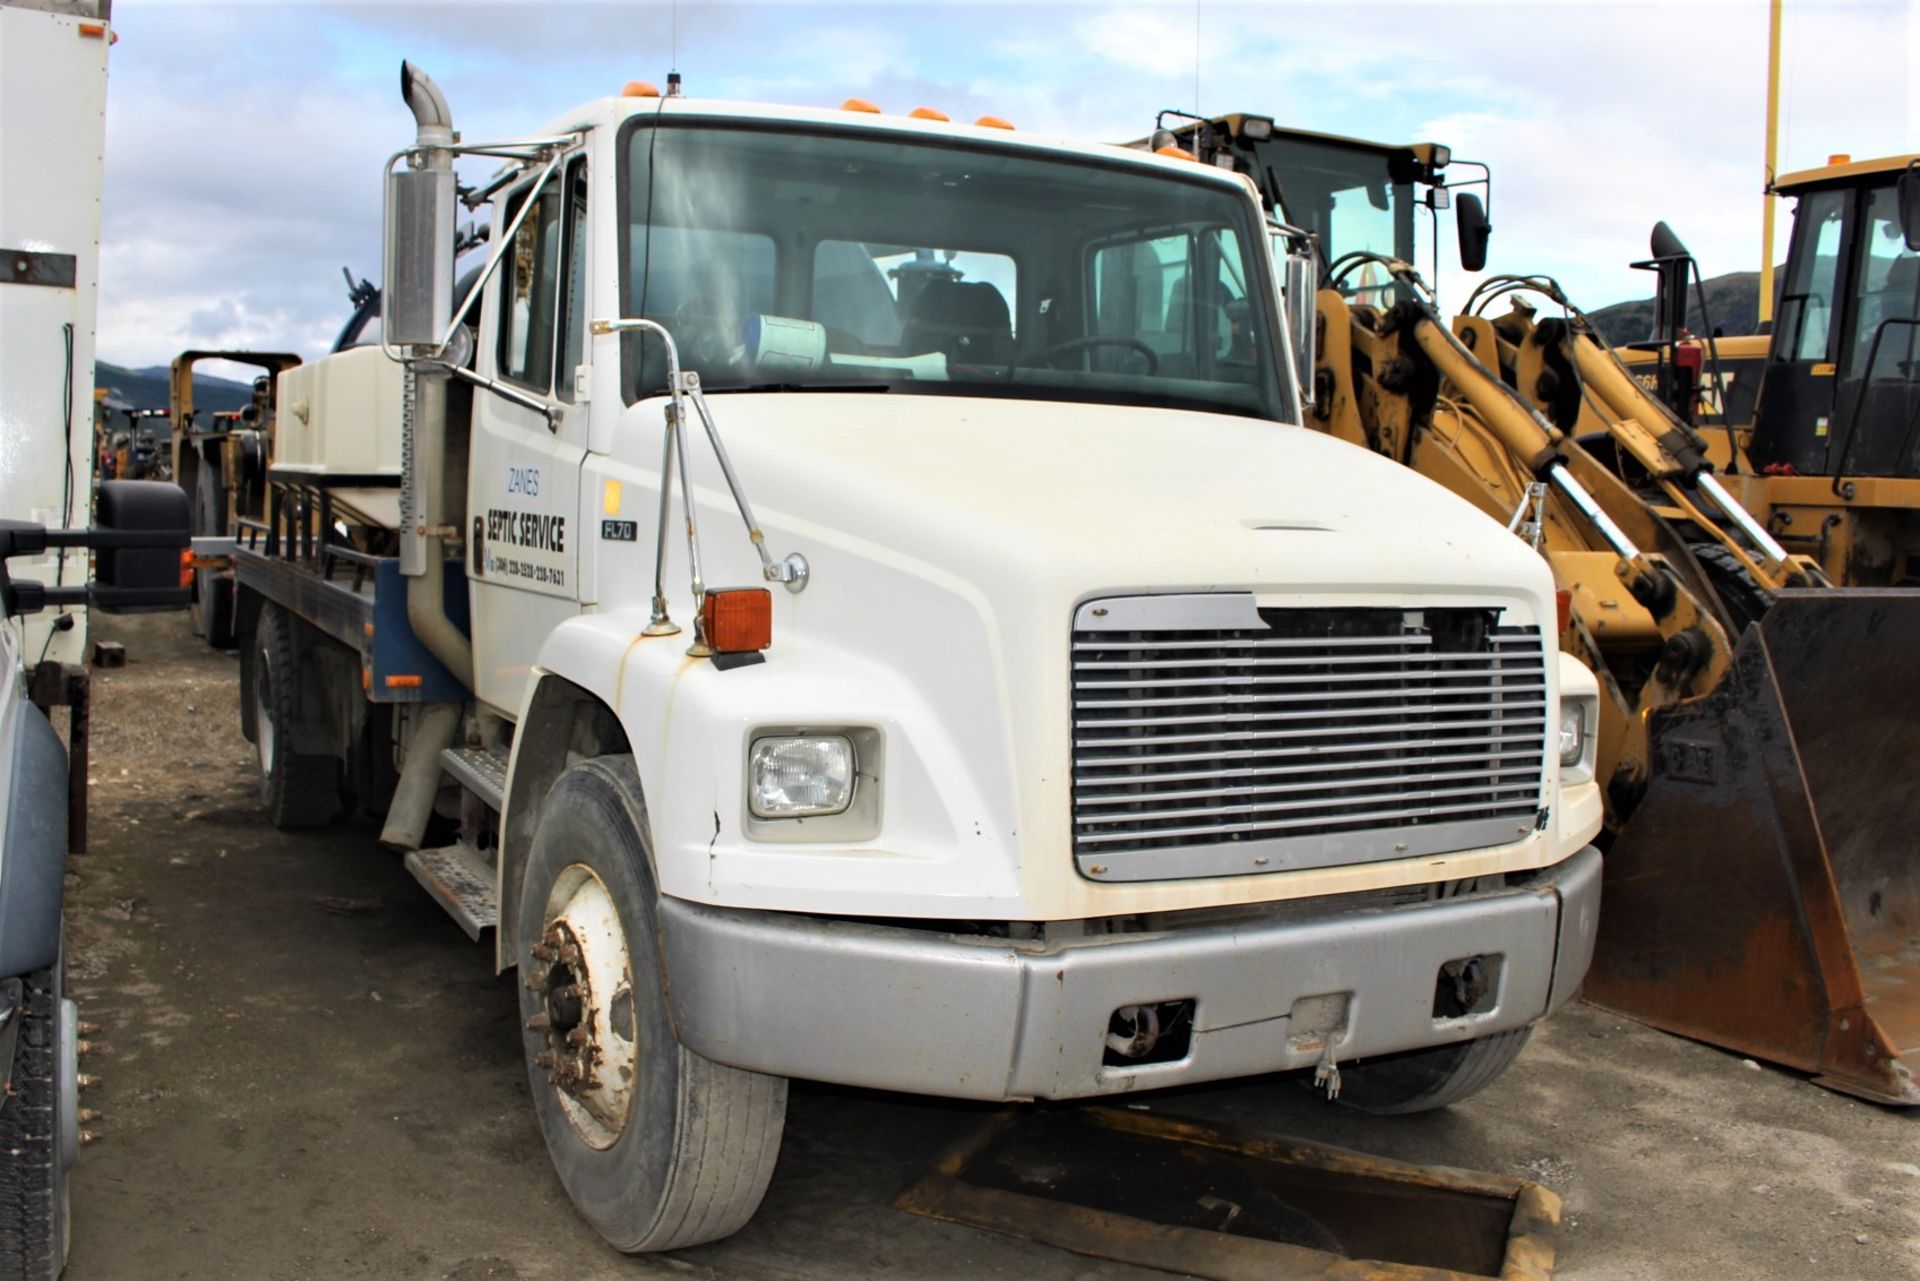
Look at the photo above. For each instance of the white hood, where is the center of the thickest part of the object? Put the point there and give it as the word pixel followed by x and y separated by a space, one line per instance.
pixel 1078 499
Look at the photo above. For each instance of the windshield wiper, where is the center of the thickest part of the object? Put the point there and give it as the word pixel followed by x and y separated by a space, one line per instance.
pixel 790 386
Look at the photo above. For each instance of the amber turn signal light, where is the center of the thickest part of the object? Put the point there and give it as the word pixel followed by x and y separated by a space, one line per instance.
pixel 738 620
pixel 1563 608
pixel 186 566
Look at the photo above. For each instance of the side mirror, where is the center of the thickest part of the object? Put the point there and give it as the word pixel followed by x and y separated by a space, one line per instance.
pixel 1470 214
pixel 142 527
pixel 416 298
pixel 1299 268
pixel 1665 243
pixel 1908 190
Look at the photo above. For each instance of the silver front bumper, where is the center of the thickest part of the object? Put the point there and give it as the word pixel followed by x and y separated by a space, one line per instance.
pixel 970 1017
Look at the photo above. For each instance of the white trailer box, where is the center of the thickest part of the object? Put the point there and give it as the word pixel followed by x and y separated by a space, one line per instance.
pixel 53 101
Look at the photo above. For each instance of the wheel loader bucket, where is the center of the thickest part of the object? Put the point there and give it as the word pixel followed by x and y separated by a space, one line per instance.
pixel 1765 893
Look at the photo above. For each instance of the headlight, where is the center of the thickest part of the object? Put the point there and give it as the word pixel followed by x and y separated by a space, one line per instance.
pixel 800 777
pixel 1573 731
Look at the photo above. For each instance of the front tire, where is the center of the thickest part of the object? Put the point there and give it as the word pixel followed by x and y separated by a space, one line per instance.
pixel 301 791
pixel 1423 1080
pixel 657 1147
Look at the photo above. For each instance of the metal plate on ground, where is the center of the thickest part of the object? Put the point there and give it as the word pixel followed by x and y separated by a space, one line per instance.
pixel 1202 1201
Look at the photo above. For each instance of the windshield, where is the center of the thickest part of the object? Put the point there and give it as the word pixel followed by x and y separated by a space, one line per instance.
pixel 1346 195
pixel 868 261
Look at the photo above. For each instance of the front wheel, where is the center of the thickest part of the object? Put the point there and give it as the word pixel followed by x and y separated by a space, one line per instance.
pixel 1422 1080
pixel 658 1147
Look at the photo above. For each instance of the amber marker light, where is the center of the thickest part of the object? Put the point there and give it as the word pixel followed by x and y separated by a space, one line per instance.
pixel 186 566
pixel 1563 608
pixel 860 104
pixel 738 620
pixel 928 113
pixel 994 122
pixel 640 89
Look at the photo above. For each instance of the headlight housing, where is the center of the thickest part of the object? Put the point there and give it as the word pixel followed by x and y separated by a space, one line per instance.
pixel 800 776
pixel 1573 732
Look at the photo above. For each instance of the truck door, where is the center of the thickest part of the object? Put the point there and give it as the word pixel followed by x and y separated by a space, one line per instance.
pixel 523 481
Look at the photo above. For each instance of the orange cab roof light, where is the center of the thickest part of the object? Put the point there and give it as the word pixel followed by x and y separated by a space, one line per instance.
pixel 994 122
pixel 860 104
pixel 928 113
pixel 1176 153
pixel 640 89
pixel 738 620
pixel 1840 158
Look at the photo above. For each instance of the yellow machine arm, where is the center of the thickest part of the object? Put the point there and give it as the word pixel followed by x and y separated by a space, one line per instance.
pixel 1405 384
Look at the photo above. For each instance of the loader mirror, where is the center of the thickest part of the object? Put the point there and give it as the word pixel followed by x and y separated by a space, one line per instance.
pixel 416 301
pixel 1908 190
pixel 1470 213
pixel 1666 243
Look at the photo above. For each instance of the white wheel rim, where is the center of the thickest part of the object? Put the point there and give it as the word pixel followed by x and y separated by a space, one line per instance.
pixel 582 978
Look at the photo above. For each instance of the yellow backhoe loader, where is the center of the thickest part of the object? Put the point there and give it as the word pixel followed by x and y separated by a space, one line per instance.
pixel 1761 889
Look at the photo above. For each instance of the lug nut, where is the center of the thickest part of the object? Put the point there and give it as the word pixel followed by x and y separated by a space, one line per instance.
pixel 88 1114
pixel 538 1023
pixel 578 1036
pixel 86 1082
pixel 89 1029
pixel 88 1136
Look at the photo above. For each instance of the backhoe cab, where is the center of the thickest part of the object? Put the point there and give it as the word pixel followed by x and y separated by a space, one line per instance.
pixel 1829 456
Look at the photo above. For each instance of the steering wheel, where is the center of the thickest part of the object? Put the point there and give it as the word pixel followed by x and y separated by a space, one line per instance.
pixel 1091 340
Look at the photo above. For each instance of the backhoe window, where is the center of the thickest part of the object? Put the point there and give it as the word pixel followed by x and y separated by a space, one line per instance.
pixel 1888 292
pixel 1806 317
pixel 864 260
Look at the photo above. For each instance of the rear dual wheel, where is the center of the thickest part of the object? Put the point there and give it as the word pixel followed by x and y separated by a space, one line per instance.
pixel 301 790
pixel 39 1131
pixel 658 1147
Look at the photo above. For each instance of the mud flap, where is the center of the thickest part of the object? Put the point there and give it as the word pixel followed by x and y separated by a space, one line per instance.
pixel 1201 1201
pixel 1765 893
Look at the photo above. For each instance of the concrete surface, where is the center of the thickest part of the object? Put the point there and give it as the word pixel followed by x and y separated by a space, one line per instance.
pixel 308 1071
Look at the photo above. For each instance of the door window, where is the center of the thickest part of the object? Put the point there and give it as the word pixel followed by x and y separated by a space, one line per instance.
pixel 531 270
pixel 1806 319
pixel 1889 291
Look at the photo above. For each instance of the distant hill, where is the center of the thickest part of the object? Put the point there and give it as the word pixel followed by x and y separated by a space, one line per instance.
pixel 1733 304
pixel 147 388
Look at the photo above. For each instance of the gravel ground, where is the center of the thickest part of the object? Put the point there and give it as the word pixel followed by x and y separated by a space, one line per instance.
pixel 306 1070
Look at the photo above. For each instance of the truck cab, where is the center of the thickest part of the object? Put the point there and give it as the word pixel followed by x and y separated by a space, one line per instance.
pixel 865 589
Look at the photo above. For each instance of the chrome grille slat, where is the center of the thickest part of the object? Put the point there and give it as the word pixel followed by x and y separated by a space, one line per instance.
pixel 1379 780
pixel 1537 722
pixel 1320 714
pixel 1358 820
pixel 1312 739
pixel 1315 751
pixel 1084 779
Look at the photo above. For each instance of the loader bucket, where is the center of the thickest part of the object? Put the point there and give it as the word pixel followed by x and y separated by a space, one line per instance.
pixel 1765 893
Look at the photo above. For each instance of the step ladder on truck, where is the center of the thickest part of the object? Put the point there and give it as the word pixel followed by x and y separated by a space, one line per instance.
pixel 1060 718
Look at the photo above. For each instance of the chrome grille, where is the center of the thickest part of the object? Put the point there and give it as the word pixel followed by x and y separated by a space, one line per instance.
pixel 1211 737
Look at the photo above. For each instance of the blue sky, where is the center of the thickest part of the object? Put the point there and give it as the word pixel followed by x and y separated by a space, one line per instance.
pixel 245 140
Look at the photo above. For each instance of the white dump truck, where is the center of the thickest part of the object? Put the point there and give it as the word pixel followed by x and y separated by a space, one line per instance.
pixel 847 597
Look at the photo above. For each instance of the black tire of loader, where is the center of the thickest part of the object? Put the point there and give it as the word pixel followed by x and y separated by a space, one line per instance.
pixel 301 791
pixel 1423 1080
pixel 699 1146
pixel 1744 600
pixel 33 1178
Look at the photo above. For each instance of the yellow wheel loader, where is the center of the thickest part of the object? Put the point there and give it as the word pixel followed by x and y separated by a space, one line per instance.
pixel 1760 888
